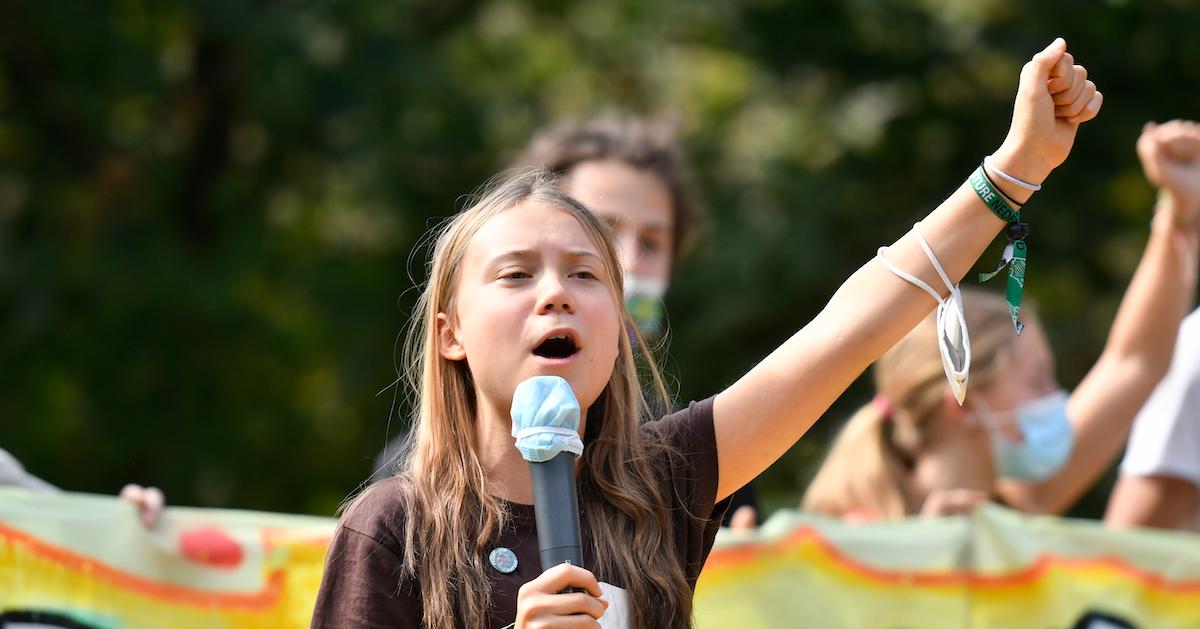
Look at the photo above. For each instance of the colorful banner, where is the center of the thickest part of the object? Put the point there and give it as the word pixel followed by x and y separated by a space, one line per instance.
pixel 81 561
pixel 995 569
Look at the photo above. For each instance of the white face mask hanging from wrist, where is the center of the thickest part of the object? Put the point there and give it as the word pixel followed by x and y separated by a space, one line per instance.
pixel 954 343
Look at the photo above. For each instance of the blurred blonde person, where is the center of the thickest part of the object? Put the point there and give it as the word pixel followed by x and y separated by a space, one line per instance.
pixel 1018 438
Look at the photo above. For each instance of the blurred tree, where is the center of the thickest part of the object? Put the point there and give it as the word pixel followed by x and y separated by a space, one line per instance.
pixel 207 209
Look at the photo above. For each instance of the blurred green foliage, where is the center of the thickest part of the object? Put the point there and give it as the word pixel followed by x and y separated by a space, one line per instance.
pixel 207 209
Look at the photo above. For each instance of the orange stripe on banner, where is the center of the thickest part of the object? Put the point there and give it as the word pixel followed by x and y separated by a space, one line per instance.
pixel 750 552
pixel 262 599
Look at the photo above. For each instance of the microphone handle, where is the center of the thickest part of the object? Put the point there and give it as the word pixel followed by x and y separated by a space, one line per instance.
pixel 556 509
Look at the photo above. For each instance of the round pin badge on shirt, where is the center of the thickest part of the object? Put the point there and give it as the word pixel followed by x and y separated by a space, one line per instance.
pixel 503 560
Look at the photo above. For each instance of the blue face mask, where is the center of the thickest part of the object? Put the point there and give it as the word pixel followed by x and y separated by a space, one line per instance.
pixel 1047 439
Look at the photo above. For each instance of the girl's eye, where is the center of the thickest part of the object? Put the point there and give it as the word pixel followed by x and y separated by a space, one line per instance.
pixel 585 275
pixel 515 275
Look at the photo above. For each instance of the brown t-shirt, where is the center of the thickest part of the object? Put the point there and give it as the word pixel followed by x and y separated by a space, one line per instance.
pixel 362 586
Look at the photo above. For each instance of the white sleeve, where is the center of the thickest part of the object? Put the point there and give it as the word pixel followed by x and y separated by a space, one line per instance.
pixel 1165 440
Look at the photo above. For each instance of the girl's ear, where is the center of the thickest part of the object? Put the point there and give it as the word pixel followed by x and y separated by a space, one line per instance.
pixel 448 344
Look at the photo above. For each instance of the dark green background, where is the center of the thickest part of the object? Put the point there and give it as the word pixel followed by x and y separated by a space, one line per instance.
pixel 207 210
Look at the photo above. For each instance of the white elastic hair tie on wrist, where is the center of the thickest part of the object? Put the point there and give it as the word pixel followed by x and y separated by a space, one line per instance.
pixel 954 343
pixel 987 161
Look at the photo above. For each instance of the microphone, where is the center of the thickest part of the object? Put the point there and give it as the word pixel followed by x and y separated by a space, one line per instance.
pixel 545 417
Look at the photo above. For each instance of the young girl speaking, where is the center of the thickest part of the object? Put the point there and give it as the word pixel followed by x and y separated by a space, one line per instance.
pixel 526 283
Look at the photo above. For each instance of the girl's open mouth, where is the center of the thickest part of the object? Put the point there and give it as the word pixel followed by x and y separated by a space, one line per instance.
pixel 557 347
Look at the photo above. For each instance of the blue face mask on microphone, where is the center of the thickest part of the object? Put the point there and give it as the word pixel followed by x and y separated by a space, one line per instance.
pixel 1046 439
pixel 545 419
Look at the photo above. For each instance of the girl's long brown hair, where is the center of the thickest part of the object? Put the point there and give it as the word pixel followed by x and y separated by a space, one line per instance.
pixel 453 518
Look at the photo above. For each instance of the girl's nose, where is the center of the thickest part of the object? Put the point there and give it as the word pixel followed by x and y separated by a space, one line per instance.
pixel 555 297
pixel 563 306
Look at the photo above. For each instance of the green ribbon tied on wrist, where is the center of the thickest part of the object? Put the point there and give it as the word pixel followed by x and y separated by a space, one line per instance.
pixel 1015 253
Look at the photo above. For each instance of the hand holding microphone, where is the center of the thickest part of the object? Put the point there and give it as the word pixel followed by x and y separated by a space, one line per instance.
pixel 562 594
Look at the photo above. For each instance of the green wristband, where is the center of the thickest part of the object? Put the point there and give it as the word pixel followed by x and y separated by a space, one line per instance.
pixel 1015 253
pixel 992 197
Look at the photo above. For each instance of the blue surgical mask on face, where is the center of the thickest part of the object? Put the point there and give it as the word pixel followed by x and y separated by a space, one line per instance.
pixel 1047 439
